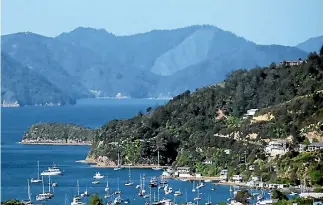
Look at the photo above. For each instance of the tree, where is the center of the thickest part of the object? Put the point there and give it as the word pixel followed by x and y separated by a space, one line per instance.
pixel 148 109
pixel 242 196
pixel 321 51
pixel 96 200
pixel 12 202
pixel 276 194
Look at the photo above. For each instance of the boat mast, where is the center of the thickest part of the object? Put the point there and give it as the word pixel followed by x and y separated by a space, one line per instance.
pixel 78 188
pixel 118 184
pixel 43 184
pixel 65 199
pixel 150 194
pixel 186 195
pixel 38 168
pixel 158 194
pixel 48 183
pixel 29 194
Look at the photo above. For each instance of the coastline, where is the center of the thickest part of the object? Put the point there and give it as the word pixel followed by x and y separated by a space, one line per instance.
pixel 96 164
pixel 55 143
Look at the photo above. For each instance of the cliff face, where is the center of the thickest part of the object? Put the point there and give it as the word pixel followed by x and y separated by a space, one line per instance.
pixel 56 133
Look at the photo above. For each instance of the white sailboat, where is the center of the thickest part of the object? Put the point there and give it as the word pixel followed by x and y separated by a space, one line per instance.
pixel 49 193
pixel 38 180
pixel 129 182
pixel 118 190
pixel 28 202
pixel 197 198
pixel 194 190
pixel 201 184
pixel 119 165
pixel 107 189
pixel 107 186
pixel 42 196
pixel 158 166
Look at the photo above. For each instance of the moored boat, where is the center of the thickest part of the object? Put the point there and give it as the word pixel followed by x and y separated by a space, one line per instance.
pixel 38 180
pixel 98 176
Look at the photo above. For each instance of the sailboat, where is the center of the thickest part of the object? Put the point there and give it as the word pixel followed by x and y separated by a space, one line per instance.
pixel 193 190
pixel 158 167
pixel 197 198
pixel 86 193
pixel 201 184
pixel 107 189
pixel 119 166
pixel 28 202
pixel 107 186
pixel 38 180
pixel 118 191
pixel 49 193
pixel 129 182
pixel 42 196
pixel 208 201
pixel 76 199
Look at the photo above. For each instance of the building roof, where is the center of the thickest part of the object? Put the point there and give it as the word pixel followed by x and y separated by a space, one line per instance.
pixel 316 144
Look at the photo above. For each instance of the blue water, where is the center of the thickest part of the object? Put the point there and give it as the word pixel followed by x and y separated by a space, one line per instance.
pixel 19 162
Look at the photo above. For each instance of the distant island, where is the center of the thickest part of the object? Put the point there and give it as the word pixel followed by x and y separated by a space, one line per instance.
pixel 58 134
pixel 88 63
pixel 265 123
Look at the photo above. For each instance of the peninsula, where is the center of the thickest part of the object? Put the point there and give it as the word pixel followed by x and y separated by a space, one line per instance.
pixel 264 123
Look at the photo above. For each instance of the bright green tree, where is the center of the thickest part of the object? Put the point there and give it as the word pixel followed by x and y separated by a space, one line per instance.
pixel 96 200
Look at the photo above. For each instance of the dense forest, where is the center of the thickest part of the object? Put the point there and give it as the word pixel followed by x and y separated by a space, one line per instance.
pixel 194 126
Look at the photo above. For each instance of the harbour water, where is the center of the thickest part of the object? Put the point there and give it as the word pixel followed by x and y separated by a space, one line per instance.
pixel 19 162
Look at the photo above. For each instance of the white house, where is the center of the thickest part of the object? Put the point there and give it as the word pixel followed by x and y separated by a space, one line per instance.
pixel 315 146
pixel 224 174
pixel 207 161
pixel 237 178
pixel 227 151
pixel 250 113
pixel 276 147
pixel 183 172
pixel 255 178
pixel 251 167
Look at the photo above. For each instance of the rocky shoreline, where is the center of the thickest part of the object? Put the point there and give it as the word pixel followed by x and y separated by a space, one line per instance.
pixel 26 142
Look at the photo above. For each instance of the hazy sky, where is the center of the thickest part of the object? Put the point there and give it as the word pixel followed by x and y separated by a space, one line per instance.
pixel 285 22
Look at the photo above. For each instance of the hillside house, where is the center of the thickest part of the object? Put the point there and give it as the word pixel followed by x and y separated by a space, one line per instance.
pixel 207 161
pixel 251 167
pixel 250 113
pixel 227 151
pixel 302 148
pixel 224 174
pixel 292 63
pixel 237 178
pixel 276 147
pixel 183 172
pixel 315 146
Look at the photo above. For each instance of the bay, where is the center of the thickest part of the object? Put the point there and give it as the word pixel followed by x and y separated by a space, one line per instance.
pixel 19 162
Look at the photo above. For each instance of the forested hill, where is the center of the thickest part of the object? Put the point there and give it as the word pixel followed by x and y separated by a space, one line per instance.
pixel 190 126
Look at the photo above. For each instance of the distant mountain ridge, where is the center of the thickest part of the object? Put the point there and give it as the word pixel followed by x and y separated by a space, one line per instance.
pixel 312 44
pixel 90 62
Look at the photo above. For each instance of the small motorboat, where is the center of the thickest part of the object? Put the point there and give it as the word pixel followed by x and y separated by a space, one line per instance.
pixel 98 176
pixel 128 183
pixel 96 182
pixel 126 201
pixel 117 200
pixel 178 193
pixel 54 184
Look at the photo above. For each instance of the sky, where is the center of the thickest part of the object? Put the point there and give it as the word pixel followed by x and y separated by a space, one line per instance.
pixel 284 22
